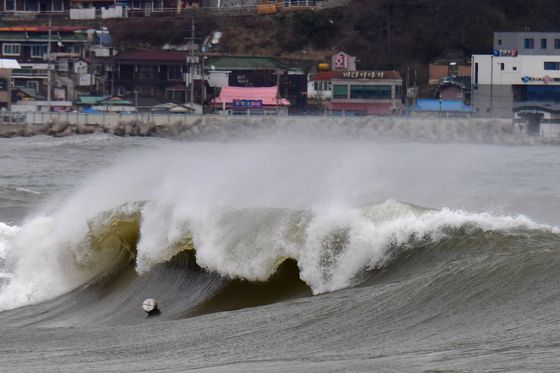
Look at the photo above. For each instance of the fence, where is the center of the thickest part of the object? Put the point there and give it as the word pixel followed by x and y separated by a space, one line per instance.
pixel 128 12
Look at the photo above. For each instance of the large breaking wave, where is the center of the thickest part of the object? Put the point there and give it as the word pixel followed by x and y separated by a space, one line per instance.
pixel 239 214
pixel 334 248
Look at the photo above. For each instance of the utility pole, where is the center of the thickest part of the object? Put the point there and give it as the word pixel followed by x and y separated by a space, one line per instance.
pixel 407 85
pixel 49 57
pixel 277 90
pixel 491 85
pixel 191 64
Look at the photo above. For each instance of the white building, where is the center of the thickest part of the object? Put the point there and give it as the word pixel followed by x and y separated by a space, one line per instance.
pixel 521 79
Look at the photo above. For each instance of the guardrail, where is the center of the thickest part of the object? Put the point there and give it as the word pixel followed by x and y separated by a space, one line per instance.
pixel 130 12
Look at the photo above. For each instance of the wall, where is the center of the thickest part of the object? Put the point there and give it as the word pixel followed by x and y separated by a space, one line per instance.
pixel 514 69
pixel 496 100
pixel 5 96
pixel 516 40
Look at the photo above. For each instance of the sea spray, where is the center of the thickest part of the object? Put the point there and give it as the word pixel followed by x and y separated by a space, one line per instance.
pixel 246 207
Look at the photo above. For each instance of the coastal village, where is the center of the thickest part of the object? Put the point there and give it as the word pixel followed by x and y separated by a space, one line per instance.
pixel 50 68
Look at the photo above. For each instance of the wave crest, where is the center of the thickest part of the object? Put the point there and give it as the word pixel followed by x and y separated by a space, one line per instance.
pixel 333 247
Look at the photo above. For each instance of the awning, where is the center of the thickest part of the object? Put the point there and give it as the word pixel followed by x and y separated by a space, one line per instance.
pixel 268 95
pixel 369 108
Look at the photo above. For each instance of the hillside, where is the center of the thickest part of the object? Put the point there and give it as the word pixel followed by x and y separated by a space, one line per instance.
pixel 383 34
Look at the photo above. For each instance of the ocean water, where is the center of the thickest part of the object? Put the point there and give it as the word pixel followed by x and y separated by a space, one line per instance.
pixel 278 255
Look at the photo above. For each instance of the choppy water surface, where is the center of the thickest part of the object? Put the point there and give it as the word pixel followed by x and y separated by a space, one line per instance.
pixel 278 255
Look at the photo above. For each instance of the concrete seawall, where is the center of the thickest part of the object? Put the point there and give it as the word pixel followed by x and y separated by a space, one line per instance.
pixel 222 128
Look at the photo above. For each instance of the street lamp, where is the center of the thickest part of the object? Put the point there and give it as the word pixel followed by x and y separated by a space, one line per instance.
pixel 452 69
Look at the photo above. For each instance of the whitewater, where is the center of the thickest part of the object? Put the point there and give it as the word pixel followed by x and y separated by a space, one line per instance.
pixel 439 255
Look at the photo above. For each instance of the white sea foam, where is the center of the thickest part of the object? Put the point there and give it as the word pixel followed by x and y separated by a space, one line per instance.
pixel 6 234
pixel 25 190
pixel 247 208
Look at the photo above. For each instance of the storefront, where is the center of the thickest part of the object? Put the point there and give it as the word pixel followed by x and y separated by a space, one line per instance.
pixel 357 92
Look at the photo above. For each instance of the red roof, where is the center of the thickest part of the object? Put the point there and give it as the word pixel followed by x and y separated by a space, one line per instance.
pixel 266 94
pixel 370 108
pixel 153 55
pixel 356 75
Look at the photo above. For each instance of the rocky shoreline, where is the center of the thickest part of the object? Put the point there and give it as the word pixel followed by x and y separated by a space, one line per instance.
pixel 460 130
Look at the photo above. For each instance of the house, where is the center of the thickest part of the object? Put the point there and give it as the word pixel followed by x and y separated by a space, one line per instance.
pixel 250 71
pixel 39 49
pixel 455 88
pixel 6 67
pixel 152 73
pixel 366 92
pixel 356 92
pixel 34 6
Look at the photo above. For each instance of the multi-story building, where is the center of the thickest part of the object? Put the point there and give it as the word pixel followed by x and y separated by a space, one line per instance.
pixel 152 73
pixel 521 78
pixel 347 90
pixel 34 6
pixel 68 52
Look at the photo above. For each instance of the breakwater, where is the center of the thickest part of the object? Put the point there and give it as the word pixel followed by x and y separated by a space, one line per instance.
pixel 214 127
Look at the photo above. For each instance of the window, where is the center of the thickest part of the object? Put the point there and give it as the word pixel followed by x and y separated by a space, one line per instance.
pixel 174 73
pixel 340 91
pixel 38 51
pixel 543 43
pixel 502 66
pixel 529 43
pixel 11 49
pixel 514 68
pixel 10 5
pixel 31 5
pixel 556 43
pixel 32 84
pixel 476 73
pixel 552 65
pixel 499 41
pixel 322 86
pixel 58 6
pixel 371 92
pixel 145 72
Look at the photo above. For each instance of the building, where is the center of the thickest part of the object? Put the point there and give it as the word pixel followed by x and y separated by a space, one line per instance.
pixel 356 92
pixel 527 43
pixel 248 71
pixel 151 73
pixel 34 6
pixel 63 50
pixel 523 69
pixel 6 67
pixel 338 88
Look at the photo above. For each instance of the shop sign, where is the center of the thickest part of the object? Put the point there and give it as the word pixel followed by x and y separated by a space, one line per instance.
pixel 545 79
pixel 246 104
pixel 362 75
pixel 505 52
pixel 341 61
